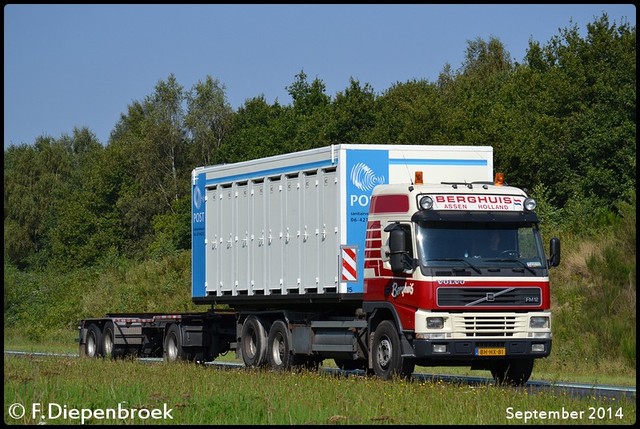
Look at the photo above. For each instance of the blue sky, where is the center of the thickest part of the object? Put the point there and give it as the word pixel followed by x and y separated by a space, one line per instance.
pixel 69 66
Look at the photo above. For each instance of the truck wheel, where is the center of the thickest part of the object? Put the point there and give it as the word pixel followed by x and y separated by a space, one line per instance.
pixel 387 354
pixel 254 342
pixel 173 350
pixel 109 349
pixel 279 347
pixel 108 339
pixel 93 343
pixel 514 372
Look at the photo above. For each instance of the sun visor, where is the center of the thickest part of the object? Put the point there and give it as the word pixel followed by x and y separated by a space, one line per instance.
pixel 473 216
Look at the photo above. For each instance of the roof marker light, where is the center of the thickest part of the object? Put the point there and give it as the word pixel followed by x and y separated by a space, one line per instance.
pixel 499 179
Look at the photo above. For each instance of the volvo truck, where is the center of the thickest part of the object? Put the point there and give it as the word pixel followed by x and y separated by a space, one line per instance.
pixel 378 257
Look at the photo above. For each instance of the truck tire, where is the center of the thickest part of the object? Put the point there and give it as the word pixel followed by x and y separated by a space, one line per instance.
pixel 387 354
pixel 109 348
pixel 279 353
pixel 108 339
pixel 253 339
pixel 513 372
pixel 93 342
pixel 173 350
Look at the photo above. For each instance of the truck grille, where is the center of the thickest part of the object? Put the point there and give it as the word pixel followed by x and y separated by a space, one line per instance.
pixel 483 326
pixel 489 296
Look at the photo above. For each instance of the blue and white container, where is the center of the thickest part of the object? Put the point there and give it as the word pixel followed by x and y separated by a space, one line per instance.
pixel 295 224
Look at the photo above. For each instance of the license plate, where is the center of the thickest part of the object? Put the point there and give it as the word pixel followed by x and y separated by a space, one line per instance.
pixel 491 351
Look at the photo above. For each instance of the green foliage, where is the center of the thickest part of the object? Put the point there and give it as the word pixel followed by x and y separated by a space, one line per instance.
pixel 551 217
pixel 486 58
pixel 209 119
pixel 172 230
pixel 307 97
pixel 42 304
pixel 261 130
pixel 352 114
pixel 614 273
pixel 308 118
pixel 588 85
pixel 34 183
pixel 409 113
pixel 594 294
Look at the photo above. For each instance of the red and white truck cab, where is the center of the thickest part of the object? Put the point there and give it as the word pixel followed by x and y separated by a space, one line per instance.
pixel 462 268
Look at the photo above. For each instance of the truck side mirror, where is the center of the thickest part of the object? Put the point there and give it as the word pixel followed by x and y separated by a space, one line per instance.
pixel 396 249
pixel 399 255
pixel 554 252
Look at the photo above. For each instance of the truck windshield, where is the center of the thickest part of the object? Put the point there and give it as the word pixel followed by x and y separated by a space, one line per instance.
pixel 480 244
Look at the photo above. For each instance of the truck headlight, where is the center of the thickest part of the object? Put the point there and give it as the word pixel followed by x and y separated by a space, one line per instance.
pixel 530 204
pixel 426 203
pixel 539 322
pixel 435 322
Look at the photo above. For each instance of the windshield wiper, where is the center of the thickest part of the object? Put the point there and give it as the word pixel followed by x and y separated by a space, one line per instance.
pixel 469 264
pixel 513 260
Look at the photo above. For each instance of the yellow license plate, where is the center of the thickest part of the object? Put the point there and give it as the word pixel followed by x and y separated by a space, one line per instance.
pixel 491 351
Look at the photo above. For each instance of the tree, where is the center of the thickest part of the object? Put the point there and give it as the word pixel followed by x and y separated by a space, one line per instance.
pixel 259 131
pixel 165 138
pixel 135 197
pixel 409 113
pixel 35 181
pixel 309 115
pixel 50 189
pixel 307 97
pixel 587 92
pixel 484 58
pixel 85 225
pixel 352 114
pixel 209 119
pixel 149 146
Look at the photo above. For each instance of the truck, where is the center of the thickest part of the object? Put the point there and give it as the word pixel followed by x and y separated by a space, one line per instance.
pixel 378 257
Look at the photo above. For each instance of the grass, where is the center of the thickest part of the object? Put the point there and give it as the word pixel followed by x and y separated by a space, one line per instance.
pixel 204 395
pixel 550 369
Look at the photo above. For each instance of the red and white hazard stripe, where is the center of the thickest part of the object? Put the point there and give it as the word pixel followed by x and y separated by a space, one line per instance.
pixel 349 270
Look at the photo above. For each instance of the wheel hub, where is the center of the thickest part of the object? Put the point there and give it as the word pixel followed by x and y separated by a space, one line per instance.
pixel 384 353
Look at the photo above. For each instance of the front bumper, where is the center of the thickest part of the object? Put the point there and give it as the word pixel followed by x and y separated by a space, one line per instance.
pixel 469 349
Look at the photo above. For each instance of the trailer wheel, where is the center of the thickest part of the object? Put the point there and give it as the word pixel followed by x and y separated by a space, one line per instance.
pixel 109 348
pixel 92 345
pixel 108 339
pixel 514 372
pixel 254 342
pixel 173 350
pixel 387 354
pixel 279 347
